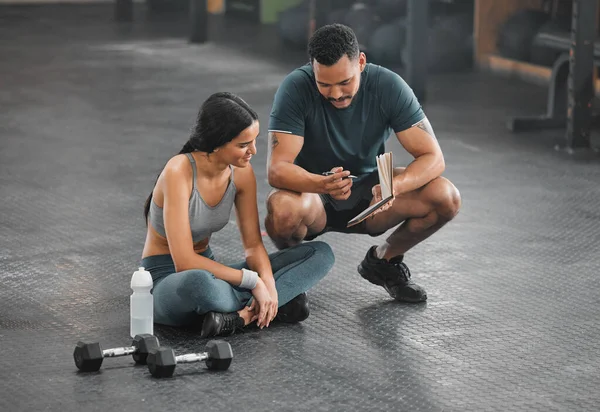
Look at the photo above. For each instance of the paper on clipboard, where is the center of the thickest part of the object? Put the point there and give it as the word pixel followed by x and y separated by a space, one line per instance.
pixel 385 169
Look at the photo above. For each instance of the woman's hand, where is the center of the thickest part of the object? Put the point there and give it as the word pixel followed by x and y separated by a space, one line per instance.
pixel 270 284
pixel 267 307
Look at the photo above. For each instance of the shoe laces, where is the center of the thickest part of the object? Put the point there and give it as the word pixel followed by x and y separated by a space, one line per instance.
pixel 402 271
pixel 230 322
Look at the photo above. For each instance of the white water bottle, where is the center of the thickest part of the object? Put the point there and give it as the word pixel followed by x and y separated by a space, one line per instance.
pixel 141 303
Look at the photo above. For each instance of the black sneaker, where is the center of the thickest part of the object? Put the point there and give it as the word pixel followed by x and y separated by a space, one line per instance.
pixel 221 324
pixel 393 275
pixel 296 310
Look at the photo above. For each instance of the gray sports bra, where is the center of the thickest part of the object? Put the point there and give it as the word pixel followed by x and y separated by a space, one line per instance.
pixel 204 219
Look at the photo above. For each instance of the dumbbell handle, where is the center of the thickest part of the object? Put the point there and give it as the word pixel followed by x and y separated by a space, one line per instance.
pixel 114 352
pixel 191 357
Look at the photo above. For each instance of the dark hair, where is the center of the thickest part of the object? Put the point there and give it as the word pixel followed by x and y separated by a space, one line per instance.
pixel 221 118
pixel 329 43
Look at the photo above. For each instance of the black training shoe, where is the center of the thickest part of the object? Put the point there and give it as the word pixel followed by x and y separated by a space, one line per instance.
pixel 296 310
pixel 221 324
pixel 393 275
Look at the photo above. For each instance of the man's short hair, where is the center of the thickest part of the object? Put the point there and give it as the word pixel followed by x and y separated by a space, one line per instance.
pixel 330 43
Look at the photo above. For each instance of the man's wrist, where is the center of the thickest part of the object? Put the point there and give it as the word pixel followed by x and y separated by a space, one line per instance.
pixel 398 183
pixel 317 183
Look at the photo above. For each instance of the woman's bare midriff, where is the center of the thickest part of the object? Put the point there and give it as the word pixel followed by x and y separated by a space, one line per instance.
pixel 158 245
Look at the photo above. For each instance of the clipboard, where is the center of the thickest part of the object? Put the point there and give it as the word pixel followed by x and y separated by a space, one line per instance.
pixel 385 168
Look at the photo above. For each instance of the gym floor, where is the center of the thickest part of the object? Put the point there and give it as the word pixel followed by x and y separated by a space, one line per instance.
pixel 90 111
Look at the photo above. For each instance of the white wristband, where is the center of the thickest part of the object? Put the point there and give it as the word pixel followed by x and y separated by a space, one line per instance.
pixel 249 279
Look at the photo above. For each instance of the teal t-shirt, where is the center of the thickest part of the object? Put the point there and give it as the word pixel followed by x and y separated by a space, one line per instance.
pixel 351 137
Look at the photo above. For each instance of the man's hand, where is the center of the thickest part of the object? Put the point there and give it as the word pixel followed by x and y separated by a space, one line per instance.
pixel 376 190
pixel 338 185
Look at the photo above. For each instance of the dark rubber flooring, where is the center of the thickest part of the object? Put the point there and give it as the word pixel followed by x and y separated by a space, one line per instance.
pixel 91 110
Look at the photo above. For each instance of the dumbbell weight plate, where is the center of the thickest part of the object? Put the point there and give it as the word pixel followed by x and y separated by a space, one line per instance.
pixel 88 356
pixel 145 343
pixel 161 362
pixel 220 355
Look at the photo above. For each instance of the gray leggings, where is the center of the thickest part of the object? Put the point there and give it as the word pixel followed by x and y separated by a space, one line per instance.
pixel 181 297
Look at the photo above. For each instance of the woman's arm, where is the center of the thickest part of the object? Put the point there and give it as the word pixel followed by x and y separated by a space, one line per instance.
pixel 247 218
pixel 256 254
pixel 176 186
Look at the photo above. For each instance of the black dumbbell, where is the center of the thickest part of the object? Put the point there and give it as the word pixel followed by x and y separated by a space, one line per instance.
pixel 162 362
pixel 89 356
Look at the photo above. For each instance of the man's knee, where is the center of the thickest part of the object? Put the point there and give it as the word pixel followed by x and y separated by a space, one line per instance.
pixel 445 198
pixel 284 214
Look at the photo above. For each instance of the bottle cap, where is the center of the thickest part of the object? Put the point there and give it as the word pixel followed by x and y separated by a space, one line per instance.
pixel 141 279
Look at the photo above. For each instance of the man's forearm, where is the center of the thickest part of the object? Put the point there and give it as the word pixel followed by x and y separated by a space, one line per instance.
pixel 421 171
pixel 285 175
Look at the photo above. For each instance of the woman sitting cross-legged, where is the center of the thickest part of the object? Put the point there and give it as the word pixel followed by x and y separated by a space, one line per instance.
pixel 192 199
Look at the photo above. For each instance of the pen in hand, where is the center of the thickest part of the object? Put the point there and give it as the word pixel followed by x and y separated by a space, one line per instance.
pixel 331 173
